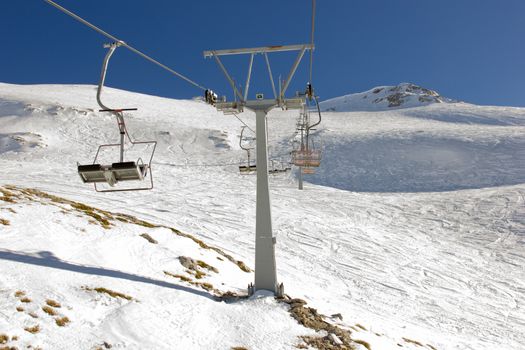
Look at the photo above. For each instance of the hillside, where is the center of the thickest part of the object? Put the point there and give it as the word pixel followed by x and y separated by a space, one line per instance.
pixel 411 230
pixel 404 95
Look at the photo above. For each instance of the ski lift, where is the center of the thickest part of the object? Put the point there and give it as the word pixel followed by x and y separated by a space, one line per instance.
pixel 120 171
pixel 278 166
pixel 308 154
pixel 249 167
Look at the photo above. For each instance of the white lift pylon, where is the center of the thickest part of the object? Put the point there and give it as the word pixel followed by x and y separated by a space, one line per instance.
pixel 265 265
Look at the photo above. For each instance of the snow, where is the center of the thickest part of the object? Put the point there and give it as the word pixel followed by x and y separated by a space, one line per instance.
pixel 413 227
pixel 404 95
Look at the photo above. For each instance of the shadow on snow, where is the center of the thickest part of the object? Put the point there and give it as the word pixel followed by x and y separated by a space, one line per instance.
pixel 47 259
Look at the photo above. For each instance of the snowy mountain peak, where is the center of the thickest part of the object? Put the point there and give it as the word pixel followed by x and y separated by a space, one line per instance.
pixel 404 95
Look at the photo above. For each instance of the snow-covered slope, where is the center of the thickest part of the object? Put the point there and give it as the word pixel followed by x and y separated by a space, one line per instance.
pixel 405 95
pixel 413 228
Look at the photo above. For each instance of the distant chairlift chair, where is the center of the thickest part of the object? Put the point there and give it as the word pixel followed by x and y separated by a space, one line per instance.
pixel 123 170
pixel 250 167
pixel 308 155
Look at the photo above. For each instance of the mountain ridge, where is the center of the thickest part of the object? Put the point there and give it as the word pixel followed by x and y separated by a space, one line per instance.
pixel 404 95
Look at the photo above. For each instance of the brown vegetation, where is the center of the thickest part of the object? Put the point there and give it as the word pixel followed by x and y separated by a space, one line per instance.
pixel 310 318
pixel 204 285
pixel 62 321
pixel 53 303
pixel 412 341
pixel 109 292
pixel 33 330
pixel 48 310
pixel 364 343
pixel 361 326
pixel 149 238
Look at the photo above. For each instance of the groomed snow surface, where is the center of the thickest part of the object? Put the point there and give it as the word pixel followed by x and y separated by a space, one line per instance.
pixel 412 228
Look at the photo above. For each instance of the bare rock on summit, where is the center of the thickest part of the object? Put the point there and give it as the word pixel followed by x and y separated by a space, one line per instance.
pixel 405 95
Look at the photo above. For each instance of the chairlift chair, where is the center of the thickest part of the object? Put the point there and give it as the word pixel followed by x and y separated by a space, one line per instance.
pixel 112 174
pixel 307 155
pixel 281 167
pixel 249 167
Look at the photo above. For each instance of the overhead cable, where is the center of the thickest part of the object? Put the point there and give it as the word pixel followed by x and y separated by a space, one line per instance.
pixel 242 121
pixel 122 43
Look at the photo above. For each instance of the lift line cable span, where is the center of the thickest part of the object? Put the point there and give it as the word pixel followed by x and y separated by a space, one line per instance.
pixel 122 43
pixel 242 121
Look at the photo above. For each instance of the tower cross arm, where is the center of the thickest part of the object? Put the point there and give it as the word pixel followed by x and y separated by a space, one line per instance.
pixel 257 50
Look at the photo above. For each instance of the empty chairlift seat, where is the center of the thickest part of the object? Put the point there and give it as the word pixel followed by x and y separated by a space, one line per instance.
pixel 245 169
pixel 112 174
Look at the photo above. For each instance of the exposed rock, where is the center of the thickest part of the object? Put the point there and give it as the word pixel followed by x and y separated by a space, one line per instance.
pixel 189 263
pixel 338 315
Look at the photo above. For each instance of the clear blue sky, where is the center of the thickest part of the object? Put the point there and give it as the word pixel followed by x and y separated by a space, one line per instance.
pixel 471 50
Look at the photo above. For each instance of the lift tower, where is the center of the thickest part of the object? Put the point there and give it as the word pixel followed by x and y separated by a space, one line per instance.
pixel 265 266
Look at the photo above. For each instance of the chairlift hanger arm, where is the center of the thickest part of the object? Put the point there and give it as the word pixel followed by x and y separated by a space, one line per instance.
pixel 112 47
pixel 319 112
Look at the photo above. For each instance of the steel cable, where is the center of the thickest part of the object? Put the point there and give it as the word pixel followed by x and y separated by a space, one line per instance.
pixel 131 48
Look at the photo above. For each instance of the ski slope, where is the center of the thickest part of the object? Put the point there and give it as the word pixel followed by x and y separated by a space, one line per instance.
pixel 413 227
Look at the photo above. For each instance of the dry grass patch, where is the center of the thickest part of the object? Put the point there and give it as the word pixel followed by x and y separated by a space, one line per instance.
pixel 49 310
pixel 53 303
pixel 361 326
pixel 408 340
pixel 207 266
pixel 149 238
pixel 204 285
pixel 62 321
pixel 323 343
pixel 310 318
pixel 109 292
pixel 181 277
pixel 99 216
pixel 243 266
pixel 8 196
pixel 364 343
pixel 33 330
